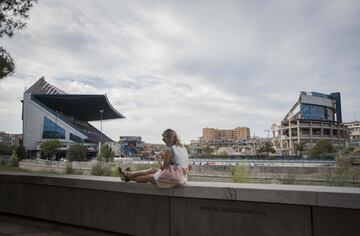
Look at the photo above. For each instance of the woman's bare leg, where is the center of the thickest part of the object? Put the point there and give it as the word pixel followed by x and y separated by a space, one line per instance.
pixel 144 178
pixel 134 174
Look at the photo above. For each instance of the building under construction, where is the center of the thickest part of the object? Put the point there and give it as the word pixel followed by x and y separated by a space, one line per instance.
pixel 315 116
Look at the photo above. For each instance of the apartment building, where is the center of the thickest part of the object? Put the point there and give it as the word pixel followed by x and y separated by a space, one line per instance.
pixel 10 139
pixel 239 133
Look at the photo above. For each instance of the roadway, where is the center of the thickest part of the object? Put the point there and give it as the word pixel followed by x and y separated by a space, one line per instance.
pixel 24 226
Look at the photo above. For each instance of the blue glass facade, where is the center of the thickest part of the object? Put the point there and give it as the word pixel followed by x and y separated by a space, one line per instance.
pixel 52 130
pixel 328 109
pixel 315 112
pixel 312 112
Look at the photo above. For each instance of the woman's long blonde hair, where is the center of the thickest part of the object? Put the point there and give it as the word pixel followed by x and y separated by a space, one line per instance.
pixel 171 137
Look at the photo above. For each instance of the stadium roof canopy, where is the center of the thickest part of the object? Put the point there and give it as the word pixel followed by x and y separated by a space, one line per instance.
pixel 81 107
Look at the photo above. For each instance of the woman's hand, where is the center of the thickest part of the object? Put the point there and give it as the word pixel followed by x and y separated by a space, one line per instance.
pixel 159 157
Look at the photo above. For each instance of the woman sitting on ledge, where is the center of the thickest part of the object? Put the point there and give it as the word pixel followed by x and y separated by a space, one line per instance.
pixel 174 165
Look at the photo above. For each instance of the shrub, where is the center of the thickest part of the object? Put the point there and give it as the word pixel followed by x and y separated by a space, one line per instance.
pixel 106 153
pixel 240 174
pixel 76 152
pixel 5 149
pixel 266 149
pixel 343 161
pixel 14 161
pixel 115 171
pixel 100 169
pixel 20 150
pixel 347 150
pixel 224 153
pixel 338 176
pixel 68 168
pixel 50 148
pixel 138 167
pixel 321 149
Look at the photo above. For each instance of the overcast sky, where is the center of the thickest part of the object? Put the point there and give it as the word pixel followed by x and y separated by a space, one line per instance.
pixel 188 64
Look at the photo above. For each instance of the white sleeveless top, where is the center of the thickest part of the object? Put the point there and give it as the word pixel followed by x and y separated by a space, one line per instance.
pixel 181 156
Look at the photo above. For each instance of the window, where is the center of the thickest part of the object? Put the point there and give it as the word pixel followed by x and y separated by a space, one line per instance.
pixel 51 130
pixel 76 138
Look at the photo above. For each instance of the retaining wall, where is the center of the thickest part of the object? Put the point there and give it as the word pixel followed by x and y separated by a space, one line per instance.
pixel 196 209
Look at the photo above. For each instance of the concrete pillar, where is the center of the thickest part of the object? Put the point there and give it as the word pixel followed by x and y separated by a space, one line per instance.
pixel 290 137
pixel 298 131
pixel 311 133
pixel 322 130
pixel 331 132
pixel 281 138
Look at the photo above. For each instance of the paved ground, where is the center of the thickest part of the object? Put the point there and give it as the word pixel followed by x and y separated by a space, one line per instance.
pixel 22 226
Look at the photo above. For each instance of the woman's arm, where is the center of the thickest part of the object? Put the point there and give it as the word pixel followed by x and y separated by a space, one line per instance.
pixel 167 159
pixel 158 158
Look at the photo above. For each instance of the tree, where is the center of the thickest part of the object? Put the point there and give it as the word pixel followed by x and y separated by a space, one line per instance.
pixel 50 148
pixel 77 152
pixel 266 149
pixel 106 153
pixel 14 161
pixel 13 16
pixel 21 151
pixel 223 153
pixel 321 148
pixel 207 150
pixel 7 65
pixel 299 148
pixel 5 149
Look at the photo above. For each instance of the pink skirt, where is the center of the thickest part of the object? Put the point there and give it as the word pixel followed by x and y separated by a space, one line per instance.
pixel 161 184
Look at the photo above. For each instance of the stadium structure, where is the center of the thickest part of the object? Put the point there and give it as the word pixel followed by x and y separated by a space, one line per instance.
pixel 51 114
pixel 315 116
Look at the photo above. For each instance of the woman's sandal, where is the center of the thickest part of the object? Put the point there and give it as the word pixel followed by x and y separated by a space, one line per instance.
pixel 123 175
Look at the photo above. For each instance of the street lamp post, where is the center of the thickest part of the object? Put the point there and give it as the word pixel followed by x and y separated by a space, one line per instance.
pixel 268 133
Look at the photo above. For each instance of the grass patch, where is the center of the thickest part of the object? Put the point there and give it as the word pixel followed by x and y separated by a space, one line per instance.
pixel 240 174
pixel 5 167
pixel 138 167
pixel 342 176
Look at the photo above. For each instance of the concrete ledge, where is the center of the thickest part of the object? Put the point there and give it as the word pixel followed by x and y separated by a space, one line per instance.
pixel 343 197
pixel 199 208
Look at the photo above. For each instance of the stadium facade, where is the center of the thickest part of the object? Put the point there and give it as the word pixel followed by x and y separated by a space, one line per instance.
pixel 315 116
pixel 51 114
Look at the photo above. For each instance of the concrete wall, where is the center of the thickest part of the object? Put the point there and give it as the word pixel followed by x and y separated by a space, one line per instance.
pixel 196 209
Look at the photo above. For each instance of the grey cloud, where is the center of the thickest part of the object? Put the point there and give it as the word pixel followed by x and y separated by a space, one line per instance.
pixel 192 64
